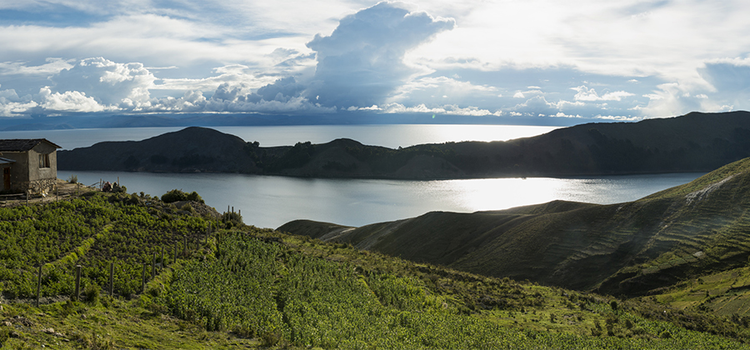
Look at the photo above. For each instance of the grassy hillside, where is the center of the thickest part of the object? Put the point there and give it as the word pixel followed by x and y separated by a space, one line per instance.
pixel 621 249
pixel 694 142
pixel 243 287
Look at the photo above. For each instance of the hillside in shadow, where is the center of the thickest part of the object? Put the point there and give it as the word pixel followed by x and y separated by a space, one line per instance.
pixel 694 142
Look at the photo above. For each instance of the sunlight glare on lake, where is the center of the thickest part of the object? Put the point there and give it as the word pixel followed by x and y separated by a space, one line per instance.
pixel 270 201
pixel 495 194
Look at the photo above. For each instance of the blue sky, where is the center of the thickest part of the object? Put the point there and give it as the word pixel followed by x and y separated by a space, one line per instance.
pixel 580 60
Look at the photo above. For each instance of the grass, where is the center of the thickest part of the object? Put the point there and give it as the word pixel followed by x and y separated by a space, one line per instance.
pixel 110 324
pixel 726 293
pixel 624 249
pixel 499 313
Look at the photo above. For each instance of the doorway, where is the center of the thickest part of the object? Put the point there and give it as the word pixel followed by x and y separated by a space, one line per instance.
pixel 6 178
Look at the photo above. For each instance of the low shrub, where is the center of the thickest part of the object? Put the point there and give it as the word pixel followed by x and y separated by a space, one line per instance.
pixel 178 196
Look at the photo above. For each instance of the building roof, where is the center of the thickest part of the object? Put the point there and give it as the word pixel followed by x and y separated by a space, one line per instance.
pixel 4 161
pixel 22 145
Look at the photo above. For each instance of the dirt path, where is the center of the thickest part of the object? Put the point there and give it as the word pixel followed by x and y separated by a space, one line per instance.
pixel 65 190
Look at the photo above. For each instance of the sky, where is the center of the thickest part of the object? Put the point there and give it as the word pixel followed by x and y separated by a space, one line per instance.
pixel 576 60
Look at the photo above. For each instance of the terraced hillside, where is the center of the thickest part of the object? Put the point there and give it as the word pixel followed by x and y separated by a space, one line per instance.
pixel 236 286
pixel 624 249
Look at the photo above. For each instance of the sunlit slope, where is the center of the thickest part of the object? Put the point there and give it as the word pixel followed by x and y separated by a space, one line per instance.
pixel 705 229
pixel 726 293
pixel 627 248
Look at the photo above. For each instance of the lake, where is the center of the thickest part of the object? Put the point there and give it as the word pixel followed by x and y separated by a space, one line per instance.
pixel 270 201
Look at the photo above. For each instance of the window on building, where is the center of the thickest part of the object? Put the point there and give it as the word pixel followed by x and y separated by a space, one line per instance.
pixel 44 160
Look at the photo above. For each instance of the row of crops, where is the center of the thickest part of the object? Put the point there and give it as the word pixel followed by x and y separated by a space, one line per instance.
pixel 91 231
pixel 268 290
pixel 306 293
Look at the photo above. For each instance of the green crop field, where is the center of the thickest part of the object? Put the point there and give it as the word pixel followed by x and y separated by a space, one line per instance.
pixel 226 285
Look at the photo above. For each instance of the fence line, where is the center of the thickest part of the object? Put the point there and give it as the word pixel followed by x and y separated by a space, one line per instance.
pixel 145 276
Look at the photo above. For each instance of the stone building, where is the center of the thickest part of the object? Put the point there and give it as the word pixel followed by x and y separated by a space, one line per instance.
pixel 28 165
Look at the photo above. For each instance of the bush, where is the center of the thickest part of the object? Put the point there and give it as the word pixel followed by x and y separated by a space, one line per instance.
pixel 91 293
pixel 73 179
pixel 116 188
pixel 178 196
pixel 188 208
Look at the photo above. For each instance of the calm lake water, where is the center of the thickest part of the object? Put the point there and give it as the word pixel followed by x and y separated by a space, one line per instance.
pixel 270 201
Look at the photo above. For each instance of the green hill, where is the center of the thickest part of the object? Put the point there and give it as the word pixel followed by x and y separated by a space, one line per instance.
pixel 693 142
pixel 621 249
pixel 224 285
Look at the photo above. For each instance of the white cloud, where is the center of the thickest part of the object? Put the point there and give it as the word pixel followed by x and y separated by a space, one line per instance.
pixel 619 118
pixel 236 74
pixel 106 82
pixel 445 110
pixel 586 94
pixel 362 61
pixel 649 58
pixel 8 95
pixel 52 66
pixel 69 101
pixel 435 90
pixel 535 106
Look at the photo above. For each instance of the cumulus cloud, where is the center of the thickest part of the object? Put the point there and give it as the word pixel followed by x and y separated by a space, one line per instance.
pixel 8 95
pixel 535 106
pixel 586 94
pixel 106 82
pixel 362 61
pixel 69 101
pixel 421 108
pixel 281 90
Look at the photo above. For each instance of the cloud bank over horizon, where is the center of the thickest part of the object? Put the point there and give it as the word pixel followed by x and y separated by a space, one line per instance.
pixel 627 60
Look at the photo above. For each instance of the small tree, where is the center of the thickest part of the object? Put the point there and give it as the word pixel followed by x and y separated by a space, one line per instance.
pixel 178 196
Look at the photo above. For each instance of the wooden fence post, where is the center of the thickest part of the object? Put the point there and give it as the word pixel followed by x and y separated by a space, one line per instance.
pixel 143 283
pixel 39 285
pixel 111 277
pixel 78 283
pixel 153 266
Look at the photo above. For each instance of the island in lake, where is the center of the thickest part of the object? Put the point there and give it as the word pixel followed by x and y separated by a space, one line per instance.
pixel 690 143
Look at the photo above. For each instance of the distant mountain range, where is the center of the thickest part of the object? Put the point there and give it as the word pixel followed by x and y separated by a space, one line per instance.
pixel 694 142
pixel 628 249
